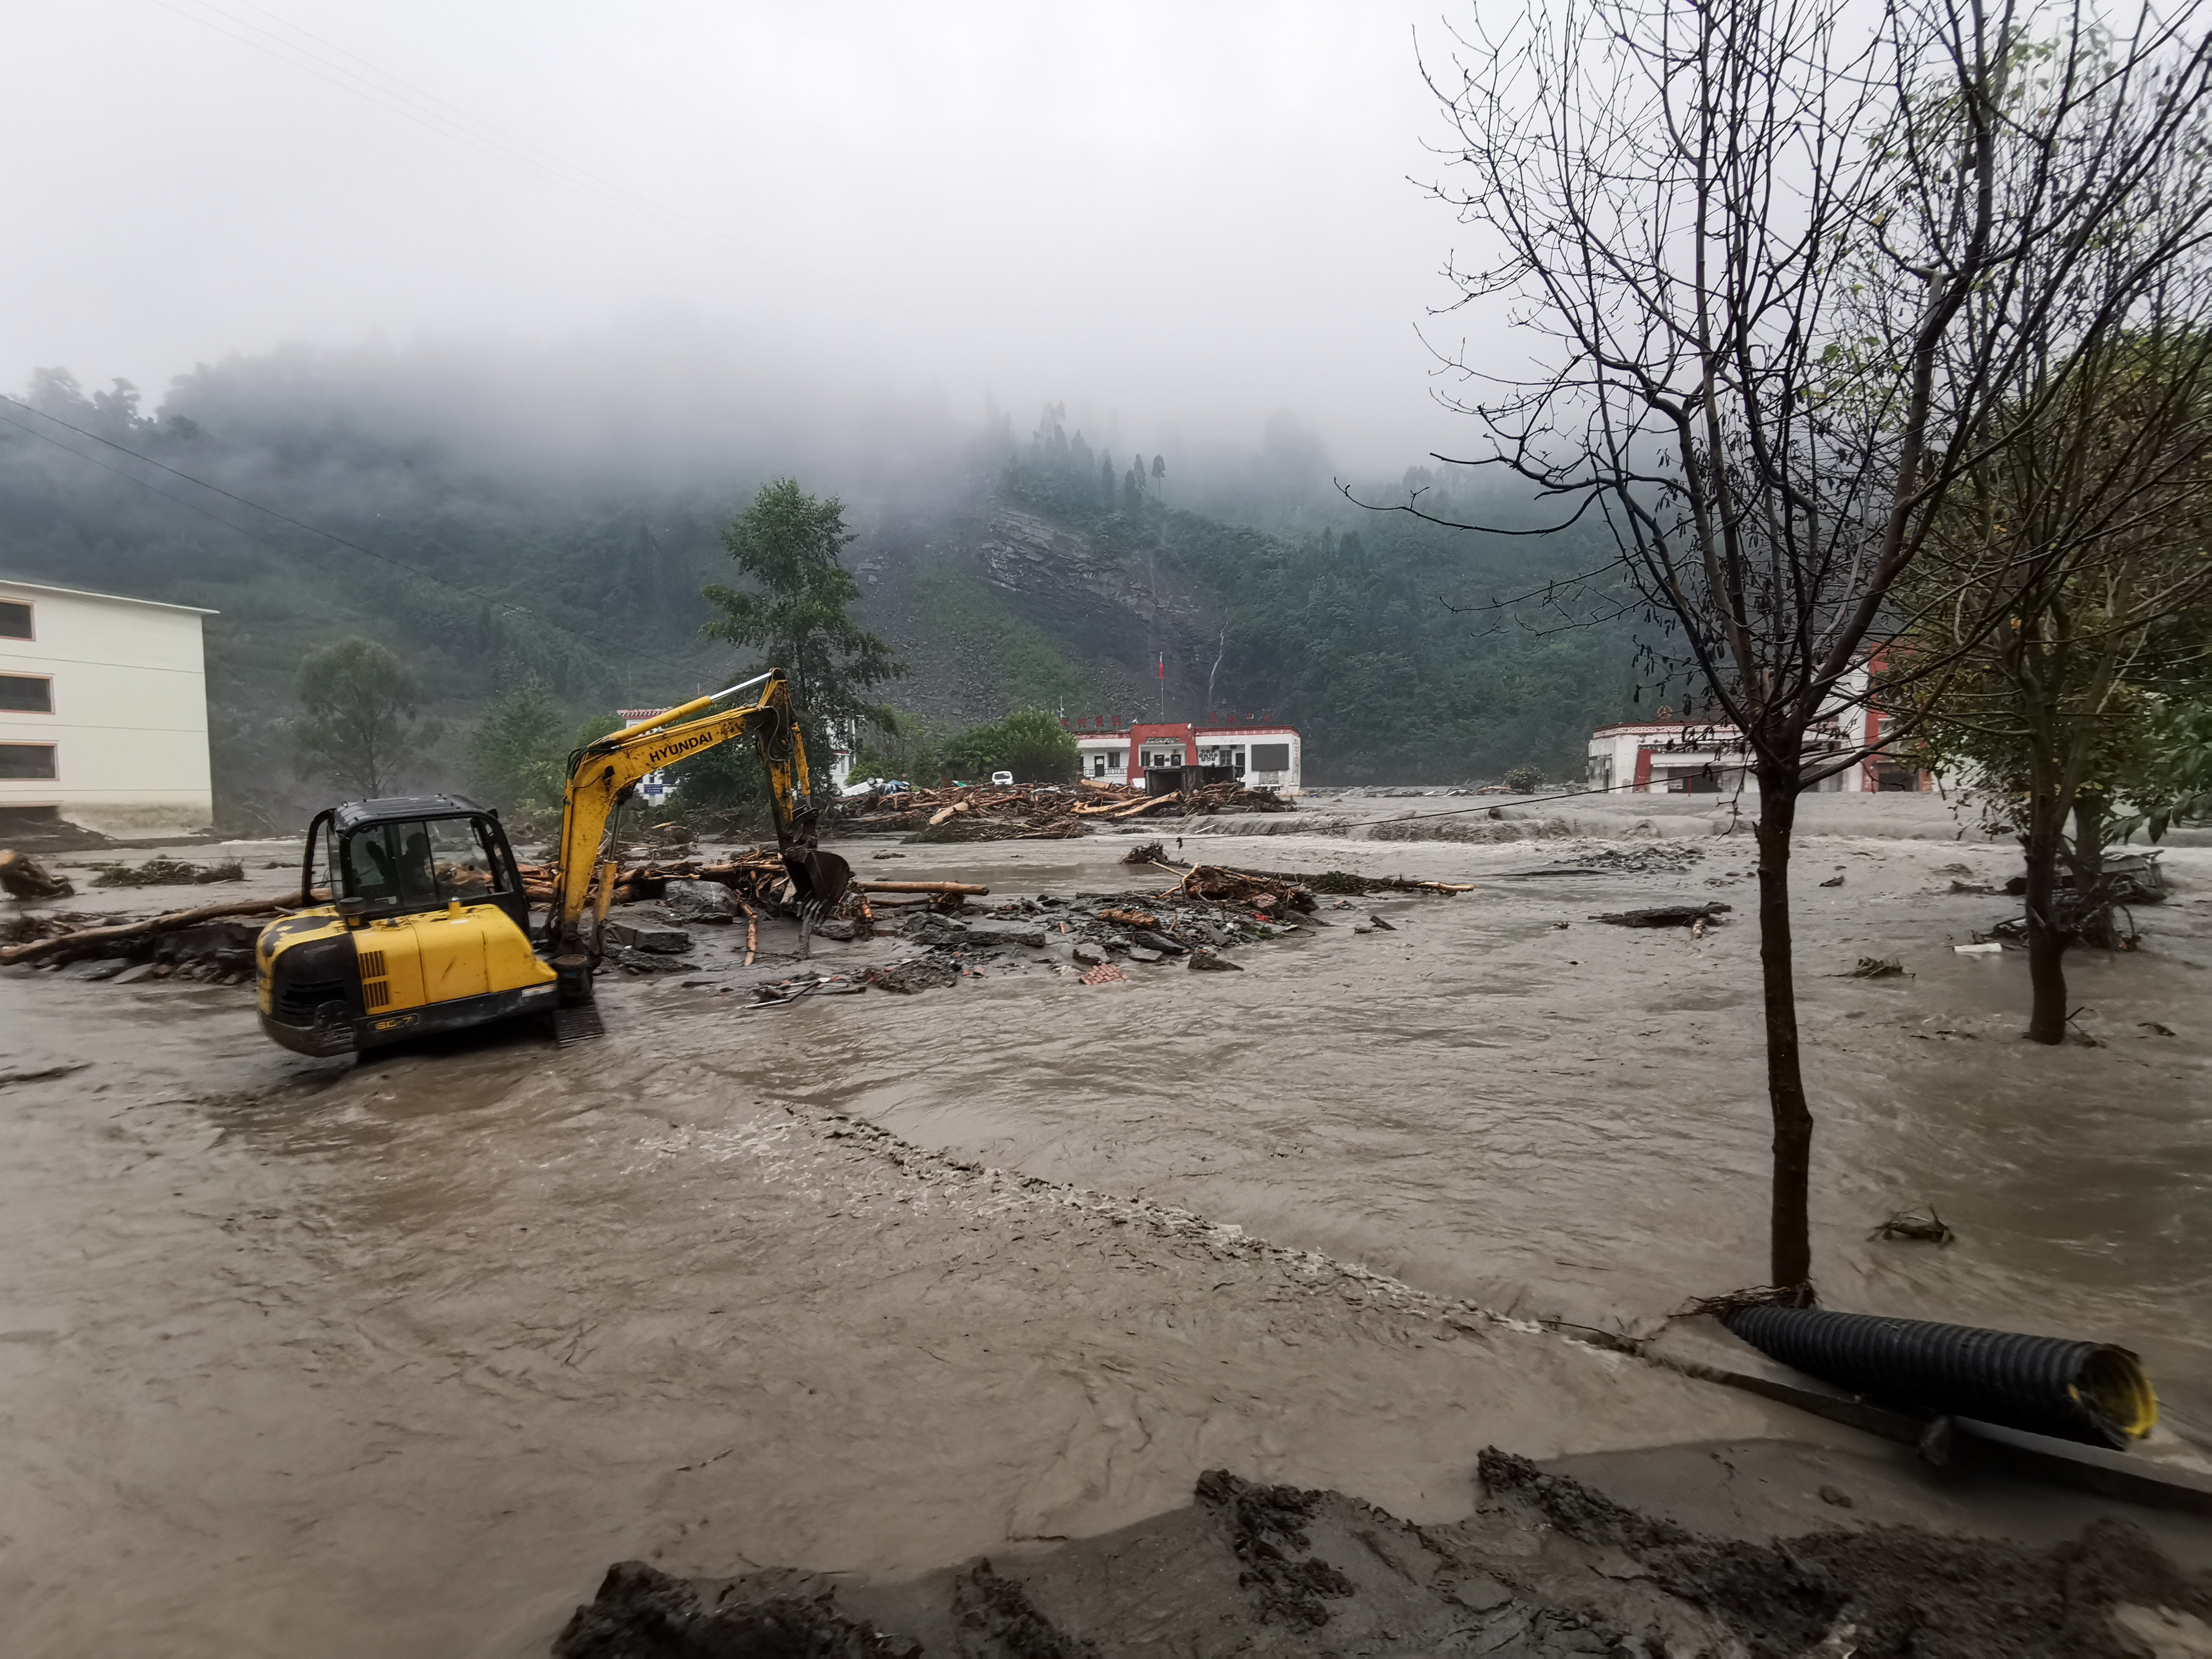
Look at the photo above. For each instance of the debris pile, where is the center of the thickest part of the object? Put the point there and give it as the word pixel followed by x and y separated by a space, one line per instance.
pixel 167 872
pixel 212 941
pixel 1039 813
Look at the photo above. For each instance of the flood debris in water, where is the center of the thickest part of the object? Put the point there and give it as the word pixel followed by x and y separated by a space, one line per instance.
pixel 1920 1226
pixel 168 872
pixel 1545 1566
pixel 23 877
pixel 1692 916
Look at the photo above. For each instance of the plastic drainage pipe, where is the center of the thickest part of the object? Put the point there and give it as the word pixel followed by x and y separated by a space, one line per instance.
pixel 2090 1392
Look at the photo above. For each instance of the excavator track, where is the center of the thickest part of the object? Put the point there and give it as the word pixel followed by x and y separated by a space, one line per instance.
pixel 578 1022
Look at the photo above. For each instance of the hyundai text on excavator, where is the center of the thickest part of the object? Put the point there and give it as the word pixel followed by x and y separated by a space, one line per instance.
pixel 413 916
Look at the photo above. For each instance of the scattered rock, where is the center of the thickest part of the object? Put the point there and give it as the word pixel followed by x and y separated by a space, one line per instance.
pixel 133 976
pixel 843 932
pixel 656 941
pixel 1138 953
pixel 918 974
pixel 1088 955
pixel 1214 961
pixel 694 900
pixel 1833 881
pixel 1160 942
pixel 1004 933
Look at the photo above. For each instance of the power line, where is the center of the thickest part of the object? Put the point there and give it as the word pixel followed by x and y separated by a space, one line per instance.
pixel 282 518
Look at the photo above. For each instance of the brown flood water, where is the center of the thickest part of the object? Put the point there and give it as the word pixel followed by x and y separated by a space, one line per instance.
pixel 396 1358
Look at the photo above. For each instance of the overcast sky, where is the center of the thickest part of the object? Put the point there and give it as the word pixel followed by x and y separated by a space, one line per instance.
pixel 1177 217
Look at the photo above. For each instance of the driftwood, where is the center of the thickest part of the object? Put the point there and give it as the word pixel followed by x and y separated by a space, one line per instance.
pixel 1666 915
pixel 968 888
pixel 24 878
pixel 147 928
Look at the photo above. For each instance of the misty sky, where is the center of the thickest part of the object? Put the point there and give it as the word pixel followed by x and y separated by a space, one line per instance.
pixel 1177 217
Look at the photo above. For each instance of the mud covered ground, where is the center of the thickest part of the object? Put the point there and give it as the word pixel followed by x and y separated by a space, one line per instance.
pixel 1544 1568
pixel 397 1357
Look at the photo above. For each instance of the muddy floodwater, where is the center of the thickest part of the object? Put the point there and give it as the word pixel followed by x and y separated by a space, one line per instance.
pixel 397 1356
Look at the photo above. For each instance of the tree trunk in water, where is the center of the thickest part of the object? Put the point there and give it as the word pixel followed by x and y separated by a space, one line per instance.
pixel 2094 924
pixel 2046 941
pixel 1790 1237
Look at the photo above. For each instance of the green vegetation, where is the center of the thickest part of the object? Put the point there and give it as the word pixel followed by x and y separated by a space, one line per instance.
pixel 1029 743
pixel 517 750
pixel 787 542
pixel 1372 633
pixel 968 619
pixel 358 729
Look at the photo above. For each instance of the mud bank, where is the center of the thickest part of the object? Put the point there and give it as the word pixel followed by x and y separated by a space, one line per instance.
pixel 1544 1566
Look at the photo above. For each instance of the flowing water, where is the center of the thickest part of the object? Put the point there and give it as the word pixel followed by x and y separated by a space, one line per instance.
pixel 300 1356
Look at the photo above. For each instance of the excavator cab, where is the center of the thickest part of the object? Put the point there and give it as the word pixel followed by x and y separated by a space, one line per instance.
pixel 414 920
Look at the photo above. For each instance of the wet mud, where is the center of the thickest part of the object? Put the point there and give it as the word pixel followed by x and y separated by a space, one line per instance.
pixel 1544 1565
pixel 397 1356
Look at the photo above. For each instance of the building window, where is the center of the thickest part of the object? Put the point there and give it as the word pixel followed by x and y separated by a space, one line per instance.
pixel 27 760
pixel 26 694
pixel 15 620
pixel 1270 757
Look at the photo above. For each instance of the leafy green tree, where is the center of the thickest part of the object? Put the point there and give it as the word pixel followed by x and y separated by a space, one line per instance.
pixel 358 729
pixel 1029 743
pixel 517 751
pixel 786 543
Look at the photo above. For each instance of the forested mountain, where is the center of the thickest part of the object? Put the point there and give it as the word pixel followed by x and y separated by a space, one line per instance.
pixel 493 527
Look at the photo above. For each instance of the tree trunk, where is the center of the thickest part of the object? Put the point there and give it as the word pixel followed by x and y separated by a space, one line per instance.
pixel 1790 1237
pixel 2046 940
pixel 2094 924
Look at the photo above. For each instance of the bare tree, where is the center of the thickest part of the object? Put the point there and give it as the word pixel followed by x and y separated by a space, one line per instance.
pixel 1779 268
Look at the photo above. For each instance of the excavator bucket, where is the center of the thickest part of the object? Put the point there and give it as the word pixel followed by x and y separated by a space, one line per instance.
pixel 817 877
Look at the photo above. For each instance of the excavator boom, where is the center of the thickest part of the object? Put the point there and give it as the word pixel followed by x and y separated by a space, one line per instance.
pixel 601 775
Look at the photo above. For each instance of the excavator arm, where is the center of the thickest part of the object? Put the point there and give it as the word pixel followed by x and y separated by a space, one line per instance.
pixel 601 775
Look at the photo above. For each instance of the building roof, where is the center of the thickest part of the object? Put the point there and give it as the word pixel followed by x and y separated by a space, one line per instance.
pixel 113 599
pixel 1247 730
pixel 1623 727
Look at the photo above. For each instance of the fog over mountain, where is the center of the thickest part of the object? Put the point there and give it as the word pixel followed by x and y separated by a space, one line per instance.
pixel 518 304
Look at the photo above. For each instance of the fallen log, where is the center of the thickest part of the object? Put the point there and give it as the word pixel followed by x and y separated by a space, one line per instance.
pixel 149 927
pixel 1666 915
pixel 969 889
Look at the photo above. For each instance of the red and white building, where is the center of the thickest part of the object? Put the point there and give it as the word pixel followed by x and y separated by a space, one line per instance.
pixel 1261 754
pixel 1695 757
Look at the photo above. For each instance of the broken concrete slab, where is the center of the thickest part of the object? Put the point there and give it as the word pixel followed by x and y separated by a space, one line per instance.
pixel 657 941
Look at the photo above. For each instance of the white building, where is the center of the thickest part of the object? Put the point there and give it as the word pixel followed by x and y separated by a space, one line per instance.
pixel 1686 757
pixel 103 713
pixel 1262 757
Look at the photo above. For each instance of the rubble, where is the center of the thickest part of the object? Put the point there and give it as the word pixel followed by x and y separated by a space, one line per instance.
pixel 1038 811
pixel 141 938
pixel 168 872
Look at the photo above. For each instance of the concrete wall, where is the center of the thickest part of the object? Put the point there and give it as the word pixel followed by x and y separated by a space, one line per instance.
pixel 129 726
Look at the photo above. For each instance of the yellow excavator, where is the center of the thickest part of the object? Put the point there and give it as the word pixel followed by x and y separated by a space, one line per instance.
pixel 413 917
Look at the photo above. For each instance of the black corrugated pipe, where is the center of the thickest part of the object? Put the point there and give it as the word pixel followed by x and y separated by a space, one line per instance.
pixel 2085 1391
